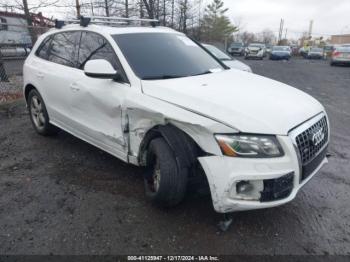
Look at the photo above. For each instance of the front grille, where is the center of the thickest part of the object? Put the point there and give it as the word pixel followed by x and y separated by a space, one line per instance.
pixel 312 146
pixel 309 145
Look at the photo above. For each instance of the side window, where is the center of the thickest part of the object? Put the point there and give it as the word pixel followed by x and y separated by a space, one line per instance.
pixel 3 25
pixel 94 46
pixel 43 49
pixel 63 48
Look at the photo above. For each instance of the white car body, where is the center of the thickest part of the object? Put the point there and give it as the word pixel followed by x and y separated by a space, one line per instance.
pixel 255 51
pixel 117 117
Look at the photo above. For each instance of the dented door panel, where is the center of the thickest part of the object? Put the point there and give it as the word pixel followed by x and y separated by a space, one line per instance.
pixel 97 112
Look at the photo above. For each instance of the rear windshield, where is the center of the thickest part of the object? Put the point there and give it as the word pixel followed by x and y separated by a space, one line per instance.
pixel 343 49
pixel 280 48
pixel 165 55
pixel 316 49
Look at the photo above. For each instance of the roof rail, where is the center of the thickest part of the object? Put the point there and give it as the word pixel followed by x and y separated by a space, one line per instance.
pixel 114 20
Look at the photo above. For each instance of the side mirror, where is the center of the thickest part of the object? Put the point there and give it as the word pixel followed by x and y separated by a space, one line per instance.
pixel 100 68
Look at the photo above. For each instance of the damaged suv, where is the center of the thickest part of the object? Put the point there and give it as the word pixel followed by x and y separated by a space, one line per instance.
pixel 154 98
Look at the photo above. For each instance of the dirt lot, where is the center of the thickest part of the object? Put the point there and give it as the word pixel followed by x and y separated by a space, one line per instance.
pixel 60 195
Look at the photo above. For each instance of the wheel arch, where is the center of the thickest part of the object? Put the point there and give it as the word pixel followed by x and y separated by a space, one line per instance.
pixel 27 89
pixel 185 148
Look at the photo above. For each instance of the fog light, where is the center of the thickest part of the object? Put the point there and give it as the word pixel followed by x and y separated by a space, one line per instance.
pixel 244 187
pixel 247 190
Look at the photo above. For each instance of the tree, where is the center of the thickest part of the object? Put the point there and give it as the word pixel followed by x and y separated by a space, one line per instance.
pixel 247 37
pixel 268 37
pixel 216 26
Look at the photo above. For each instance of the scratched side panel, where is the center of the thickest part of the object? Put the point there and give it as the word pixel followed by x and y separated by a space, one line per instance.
pixel 144 112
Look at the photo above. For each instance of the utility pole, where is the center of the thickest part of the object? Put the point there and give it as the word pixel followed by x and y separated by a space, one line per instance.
pixel 77 6
pixel 280 31
pixel 310 27
pixel 285 35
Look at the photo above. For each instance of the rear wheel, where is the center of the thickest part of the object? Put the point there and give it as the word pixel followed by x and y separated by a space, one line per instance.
pixel 38 114
pixel 165 181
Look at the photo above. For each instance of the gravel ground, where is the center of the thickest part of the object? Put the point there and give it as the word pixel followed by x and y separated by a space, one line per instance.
pixel 60 195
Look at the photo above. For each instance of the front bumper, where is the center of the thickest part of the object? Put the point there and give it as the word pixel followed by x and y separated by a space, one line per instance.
pixel 259 55
pixel 223 174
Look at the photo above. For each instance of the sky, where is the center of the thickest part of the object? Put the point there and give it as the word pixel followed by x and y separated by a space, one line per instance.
pixel 329 16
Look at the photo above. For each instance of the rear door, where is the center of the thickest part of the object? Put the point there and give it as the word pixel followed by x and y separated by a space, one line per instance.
pixel 56 72
pixel 96 104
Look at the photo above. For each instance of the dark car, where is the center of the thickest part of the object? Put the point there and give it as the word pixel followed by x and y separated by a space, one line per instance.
pixel 280 53
pixel 236 49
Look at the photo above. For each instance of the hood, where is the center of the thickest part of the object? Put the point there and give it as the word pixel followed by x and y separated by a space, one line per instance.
pixel 235 64
pixel 244 101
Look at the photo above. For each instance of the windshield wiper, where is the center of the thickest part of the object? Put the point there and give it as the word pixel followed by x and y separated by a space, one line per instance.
pixel 203 73
pixel 161 77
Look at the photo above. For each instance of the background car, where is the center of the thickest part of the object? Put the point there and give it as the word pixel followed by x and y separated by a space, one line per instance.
pixel 341 55
pixel 226 59
pixel 280 52
pixel 236 49
pixel 328 50
pixel 255 50
pixel 303 51
pixel 315 53
pixel 268 49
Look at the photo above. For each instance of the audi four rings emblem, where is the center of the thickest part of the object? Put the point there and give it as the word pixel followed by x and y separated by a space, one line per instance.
pixel 317 137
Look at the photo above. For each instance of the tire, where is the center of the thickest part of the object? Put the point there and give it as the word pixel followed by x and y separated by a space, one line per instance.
pixel 38 114
pixel 165 181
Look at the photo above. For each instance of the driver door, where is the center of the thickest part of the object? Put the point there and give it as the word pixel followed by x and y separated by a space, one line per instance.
pixel 96 104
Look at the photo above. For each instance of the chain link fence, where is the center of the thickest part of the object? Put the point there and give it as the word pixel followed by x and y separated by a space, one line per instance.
pixel 12 57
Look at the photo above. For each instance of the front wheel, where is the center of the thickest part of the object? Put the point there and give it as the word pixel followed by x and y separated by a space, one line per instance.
pixel 38 114
pixel 165 181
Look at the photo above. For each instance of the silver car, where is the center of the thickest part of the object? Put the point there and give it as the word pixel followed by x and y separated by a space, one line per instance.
pixel 315 53
pixel 341 55
pixel 226 59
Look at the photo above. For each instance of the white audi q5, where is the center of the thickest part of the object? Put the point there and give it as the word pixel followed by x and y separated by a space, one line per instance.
pixel 153 97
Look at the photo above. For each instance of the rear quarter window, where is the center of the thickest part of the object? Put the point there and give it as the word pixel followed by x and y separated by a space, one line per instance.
pixel 43 49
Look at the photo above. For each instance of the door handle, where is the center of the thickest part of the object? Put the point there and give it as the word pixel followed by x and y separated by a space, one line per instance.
pixel 74 87
pixel 40 75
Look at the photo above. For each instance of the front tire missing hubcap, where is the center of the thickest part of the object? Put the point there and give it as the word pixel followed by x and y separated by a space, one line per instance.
pixel 165 180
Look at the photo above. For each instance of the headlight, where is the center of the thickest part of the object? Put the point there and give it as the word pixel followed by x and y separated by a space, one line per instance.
pixel 254 146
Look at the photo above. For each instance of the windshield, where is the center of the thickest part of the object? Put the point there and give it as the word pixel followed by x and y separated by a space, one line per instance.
pixel 165 55
pixel 217 52
pixel 236 45
pixel 280 48
pixel 256 45
pixel 316 50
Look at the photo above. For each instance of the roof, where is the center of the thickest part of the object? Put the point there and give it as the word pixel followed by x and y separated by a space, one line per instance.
pixel 111 30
